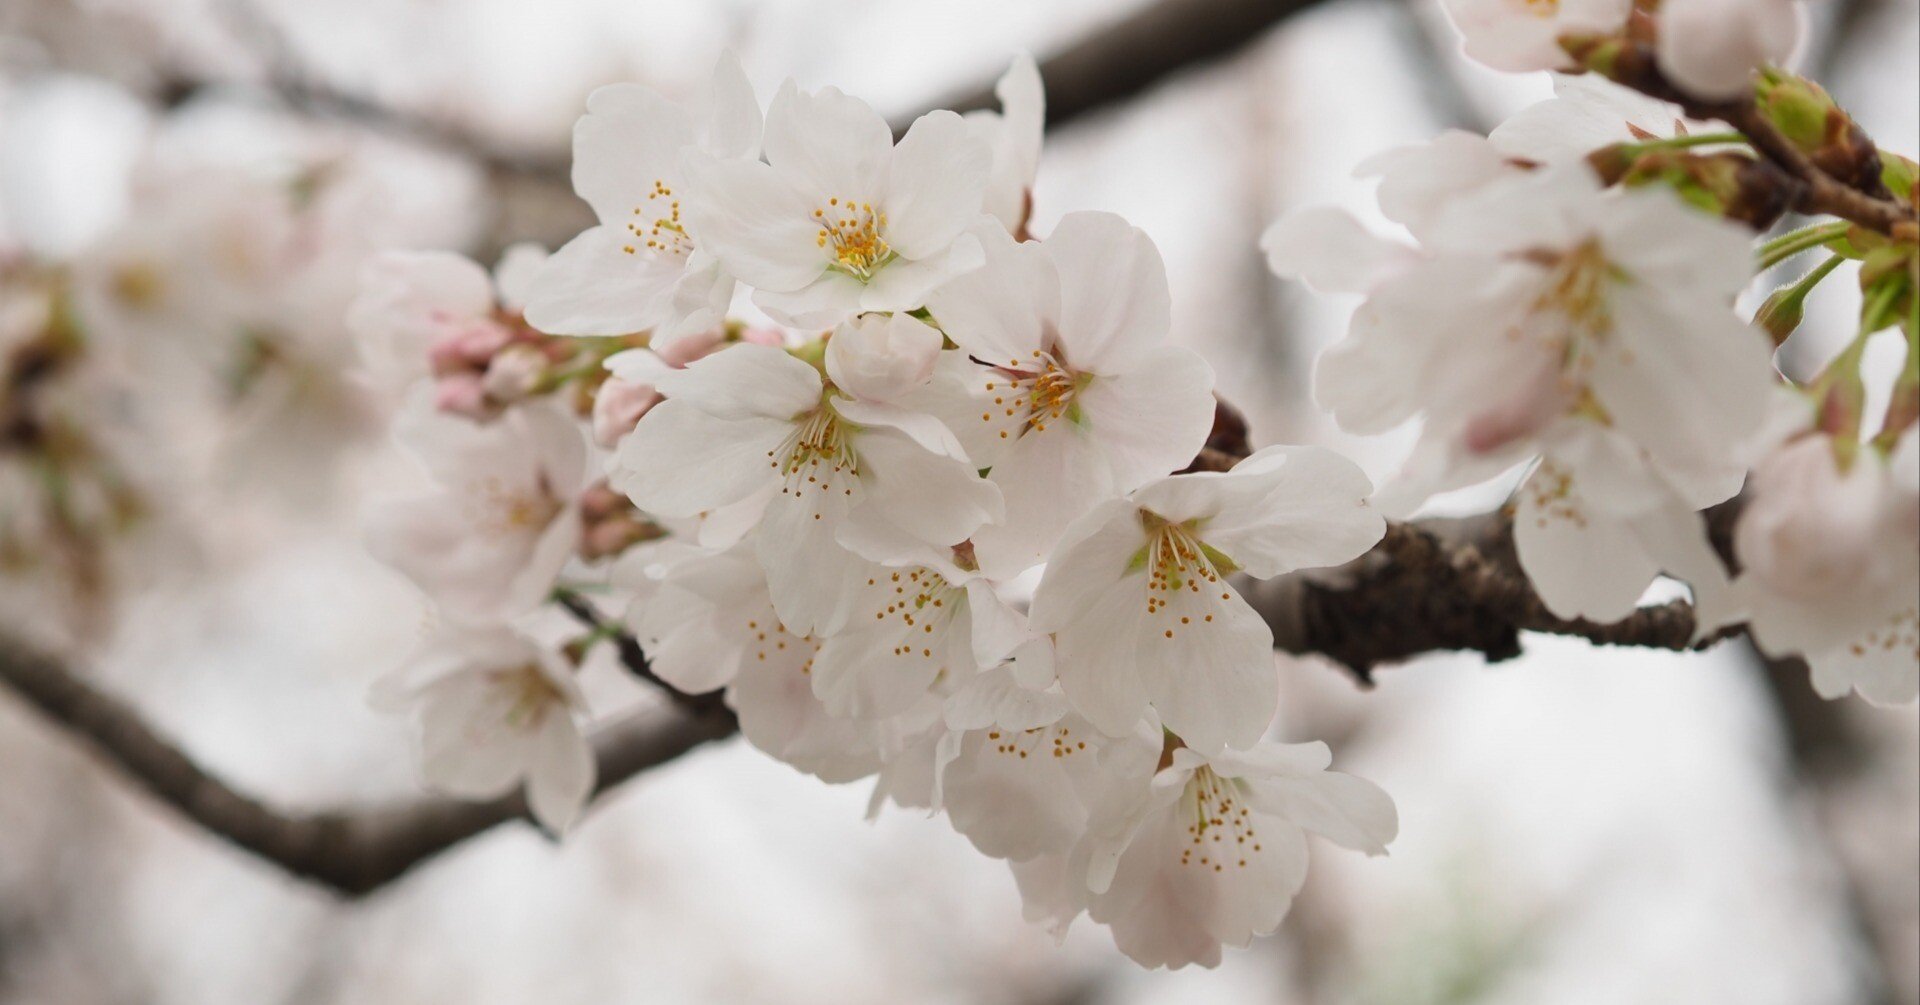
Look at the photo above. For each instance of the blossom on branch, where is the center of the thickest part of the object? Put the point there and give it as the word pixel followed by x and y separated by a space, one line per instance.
pixel 495 709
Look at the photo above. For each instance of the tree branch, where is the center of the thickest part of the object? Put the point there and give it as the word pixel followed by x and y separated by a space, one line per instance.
pixel 353 852
pixel 1105 68
pixel 1135 53
pixel 1428 586
pixel 1858 197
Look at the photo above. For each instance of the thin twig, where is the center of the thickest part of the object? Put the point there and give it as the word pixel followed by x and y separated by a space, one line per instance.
pixel 1819 192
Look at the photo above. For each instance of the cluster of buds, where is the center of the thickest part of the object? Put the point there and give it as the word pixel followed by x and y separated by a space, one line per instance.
pixel 488 363
pixel 625 389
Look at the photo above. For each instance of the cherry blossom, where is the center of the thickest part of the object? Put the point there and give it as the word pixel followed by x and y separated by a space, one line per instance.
pixel 910 626
pixel 646 267
pixel 1075 396
pixel 1138 600
pixel 487 541
pixel 1831 560
pixel 1546 317
pixel 708 622
pixel 1017 768
pixel 1710 48
pixel 493 709
pixel 754 426
pixel 1014 135
pixel 1584 114
pixel 839 219
pixel 421 313
pixel 1522 35
pixel 1209 852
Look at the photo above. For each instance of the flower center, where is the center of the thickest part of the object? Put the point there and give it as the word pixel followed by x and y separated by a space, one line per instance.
pixel 1034 394
pixel 1183 578
pixel 1541 8
pixel 529 695
pixel 853 232
pixel 1218 814
pixel 657 223
pixel 818 452
pixel 497 510
pixel 924 603
pixel 1057 741
pixel 1572 312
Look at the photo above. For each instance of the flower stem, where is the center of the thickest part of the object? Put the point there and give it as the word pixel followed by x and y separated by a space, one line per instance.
pixel 1787 245
pixel 1684 142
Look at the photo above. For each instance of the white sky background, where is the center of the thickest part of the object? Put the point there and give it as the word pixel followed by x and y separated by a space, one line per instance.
pixel 1578 826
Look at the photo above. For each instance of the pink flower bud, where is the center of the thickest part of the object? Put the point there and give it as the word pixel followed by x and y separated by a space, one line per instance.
pixel 462 394
pixel 681 351
pixel 514 373
pixel 617 408
pixel 764 336
pixel 468 347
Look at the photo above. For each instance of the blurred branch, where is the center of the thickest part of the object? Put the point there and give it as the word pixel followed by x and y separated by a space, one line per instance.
pixel 1122 60
pixel 1420 43
pixel 353 852
pixel 286 75
pixel 1105 68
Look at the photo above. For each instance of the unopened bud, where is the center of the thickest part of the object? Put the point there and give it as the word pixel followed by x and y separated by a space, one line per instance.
pixel 1810 119
pixel 681 351
pixel 1782 312
pixel 462 394
pixel 763 336
pixel 1898 173
pixel 618 406
pixel 514 373
pixel 467 348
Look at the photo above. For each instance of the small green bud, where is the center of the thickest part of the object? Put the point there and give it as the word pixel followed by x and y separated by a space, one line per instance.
pixel 1897 173
pixel 1782 312
pixel 1810 119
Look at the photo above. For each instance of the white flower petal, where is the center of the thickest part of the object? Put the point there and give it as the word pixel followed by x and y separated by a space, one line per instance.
pixel 594 286
pixel 934 184
pixel 1150 420
pixel 1000 312
pixel 561 775
pixel 745 380
pixel 755 221
pixel 1329 250
pixel 1115 307
pixel 680 461
pixel 831 144
pixel 630 138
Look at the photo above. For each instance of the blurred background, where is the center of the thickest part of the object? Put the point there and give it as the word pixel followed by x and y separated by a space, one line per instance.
pixel 1578 825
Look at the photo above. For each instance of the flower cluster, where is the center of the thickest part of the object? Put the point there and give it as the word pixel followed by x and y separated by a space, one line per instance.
pixel 915 490
pixel 1567 307
pixel 174 372
pixel 841 520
